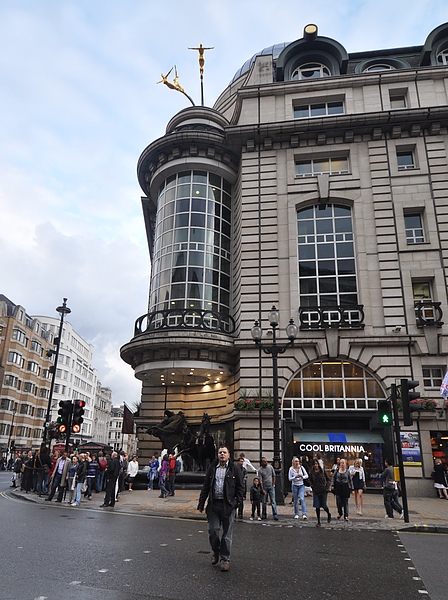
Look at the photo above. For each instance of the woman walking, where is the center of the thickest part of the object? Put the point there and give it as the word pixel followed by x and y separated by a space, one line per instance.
pixel 319 484
pixel 296 475
pixel 341 485
pixel 440 478
pixel 132 471
pixel 81 474
pixel 359 483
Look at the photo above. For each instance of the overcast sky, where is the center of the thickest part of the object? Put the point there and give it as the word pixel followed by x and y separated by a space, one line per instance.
pixel 79 102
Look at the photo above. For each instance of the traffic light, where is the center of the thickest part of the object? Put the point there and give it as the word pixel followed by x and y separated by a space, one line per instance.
pixel 406 398
pixel 384 413
pixel 12 446
pixel 65 413
pixel 77 415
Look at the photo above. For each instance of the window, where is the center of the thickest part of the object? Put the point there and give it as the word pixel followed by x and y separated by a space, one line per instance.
pixel 378 67
pixel 33 367
pixel 311 71
pixel 4 404
pixel 414 228
pixel 16 358
pixel 316 166
pixel 29 387
pixel 327 270
pixel 442 57
pixel 320 109
pixel 19 336
pixel 397 100
pixel 36 347
pixel 405 160
pixel 432 377
pixel 11 381
pixel 423 301
pixel 24 409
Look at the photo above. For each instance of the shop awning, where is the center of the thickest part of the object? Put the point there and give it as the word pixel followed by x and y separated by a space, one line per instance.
pixel 348 437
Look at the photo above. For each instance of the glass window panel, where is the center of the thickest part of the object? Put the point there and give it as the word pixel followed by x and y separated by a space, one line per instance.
pixel 318 110
pixel 301 112
pixel 327 285
pixel 324 225
pixel 328 301
pixel 354 389
pixel 307 269
pixel 197 235
pixel 294 389
pixel 344 249
pixel 199 177
pixel 179 274
pixel 339 164
pixel 343 225
pixel 335 108
pixel 347 284
pixel 333 388
pixel 326 267
pixel 178 290
pixel 198 205
pixel 306 227
pixel 197 220
pixel 346 267
pixel 170 194
pixel 332 369
pixel 224 298
pixel 341 211
pixel 325 251
pixel 184 191
pixel 165 262
pixel 421 290
pixel 183 205
pixel 226 214
pixel 194 290
pixel 182 220
pixel 306 251
pixel 351 370
pixel 226 228
pixel 196 258
pixel 199 191
pixel 169 209
pixel 184 177
pixel 179 259
pixel 321 166
pixel 225 281
pixel 167 239
pixel 308 286
pixel 374 389
pixel 304 168
pixel 180 235
pixel 214 180
pixel 225 266
pixel 348 300
pixel 306 213
pixel 312 388
pixel 307 301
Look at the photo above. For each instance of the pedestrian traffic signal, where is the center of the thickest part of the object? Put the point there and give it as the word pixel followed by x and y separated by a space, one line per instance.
pixel 407 396
pixel 65 413
pixel 77 415
pixel 384 413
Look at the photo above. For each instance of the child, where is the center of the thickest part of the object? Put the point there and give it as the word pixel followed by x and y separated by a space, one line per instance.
pixel 256 494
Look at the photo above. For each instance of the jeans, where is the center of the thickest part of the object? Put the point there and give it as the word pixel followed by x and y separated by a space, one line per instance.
pixel 170 484
pixel 90 484
pixel 151 478
pixel 391 503
pixel 216 520
pixel 270 491
pixel 99 480
pixel 342 506
pixel 78 492
pixel 162 486
pixel 56 483
pixel 298 491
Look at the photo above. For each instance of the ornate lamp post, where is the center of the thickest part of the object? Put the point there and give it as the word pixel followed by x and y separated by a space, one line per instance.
pixel 62 310
pixel 274 350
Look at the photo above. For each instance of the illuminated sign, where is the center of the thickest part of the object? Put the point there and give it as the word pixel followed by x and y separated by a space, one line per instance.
pixel 310 447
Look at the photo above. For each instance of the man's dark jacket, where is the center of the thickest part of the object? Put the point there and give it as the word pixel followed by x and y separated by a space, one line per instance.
pixel 113 468
pixel 233 488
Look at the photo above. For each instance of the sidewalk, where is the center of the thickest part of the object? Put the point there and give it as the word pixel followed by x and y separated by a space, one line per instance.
pixel 425 514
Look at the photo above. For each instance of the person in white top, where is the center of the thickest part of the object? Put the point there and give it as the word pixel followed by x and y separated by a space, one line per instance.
pixel 247 464
pixel 296 475
pixel 359 483
pixel 132 471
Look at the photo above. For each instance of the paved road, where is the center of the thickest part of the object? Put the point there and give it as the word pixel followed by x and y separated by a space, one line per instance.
pixel 55 552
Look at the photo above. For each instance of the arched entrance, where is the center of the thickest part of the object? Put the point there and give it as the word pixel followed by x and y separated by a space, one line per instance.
pixel 330 408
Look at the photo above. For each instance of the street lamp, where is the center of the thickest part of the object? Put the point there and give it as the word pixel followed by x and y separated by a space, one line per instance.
pixel 62 310
pixel 9 451
pixel 274 350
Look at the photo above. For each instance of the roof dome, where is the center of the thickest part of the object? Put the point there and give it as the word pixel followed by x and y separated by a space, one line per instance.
pixel 275 50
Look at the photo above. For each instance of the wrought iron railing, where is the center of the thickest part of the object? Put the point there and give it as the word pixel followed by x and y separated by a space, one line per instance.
pixel 329 317
pixel 184 318
pixel 428 313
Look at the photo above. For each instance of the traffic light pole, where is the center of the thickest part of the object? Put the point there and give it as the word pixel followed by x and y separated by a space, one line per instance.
pixel 404 496
pixel 69 431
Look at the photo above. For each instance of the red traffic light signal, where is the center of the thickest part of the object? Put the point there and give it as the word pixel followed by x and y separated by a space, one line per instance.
pixel 78 412
pixel 65 413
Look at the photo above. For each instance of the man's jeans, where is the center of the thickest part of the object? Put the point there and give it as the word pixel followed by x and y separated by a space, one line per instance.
pixel 216 520
pixel 270 491
pixel 390 503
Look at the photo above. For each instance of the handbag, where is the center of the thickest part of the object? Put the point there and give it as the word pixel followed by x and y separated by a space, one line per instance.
pixel 306 479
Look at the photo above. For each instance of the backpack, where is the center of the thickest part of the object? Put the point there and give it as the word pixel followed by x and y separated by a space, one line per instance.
pixel 178 468
pixel 103 463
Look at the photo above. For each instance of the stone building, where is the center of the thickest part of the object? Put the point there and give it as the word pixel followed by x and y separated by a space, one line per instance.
pixel 317 183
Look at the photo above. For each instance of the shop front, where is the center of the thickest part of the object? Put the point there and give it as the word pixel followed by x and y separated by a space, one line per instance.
pixel 369 446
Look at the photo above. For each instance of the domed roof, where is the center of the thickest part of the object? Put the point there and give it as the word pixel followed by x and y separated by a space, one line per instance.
pixel 275 50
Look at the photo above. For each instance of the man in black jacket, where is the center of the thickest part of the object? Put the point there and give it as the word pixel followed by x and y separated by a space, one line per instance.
pixel 223 490
pixel 112 473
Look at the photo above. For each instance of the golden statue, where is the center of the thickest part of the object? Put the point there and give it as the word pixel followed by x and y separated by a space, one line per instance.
pixel 174 85
pixel 201 51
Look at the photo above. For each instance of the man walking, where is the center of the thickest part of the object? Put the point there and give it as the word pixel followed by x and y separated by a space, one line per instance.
pixel 266 475
pixel 112 473
pixel 390 501
pixel 223 490
pixel 59 478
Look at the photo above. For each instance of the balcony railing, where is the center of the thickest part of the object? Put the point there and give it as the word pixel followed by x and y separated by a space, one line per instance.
pixel 428 313
pixel 329 317
pixel 185 318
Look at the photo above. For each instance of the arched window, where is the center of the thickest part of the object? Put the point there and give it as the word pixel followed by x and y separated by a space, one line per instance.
pixel 331 385
pixel 311 71
pixel 379 67
pixel 442 57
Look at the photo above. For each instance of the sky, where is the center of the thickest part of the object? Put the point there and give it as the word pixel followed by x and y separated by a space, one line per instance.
pixel 79 102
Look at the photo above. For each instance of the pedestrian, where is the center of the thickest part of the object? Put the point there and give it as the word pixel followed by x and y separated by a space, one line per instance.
pixel 440 478
pixel 266 475
pixel 247 464
pixel 256 496
pixel 102 466
pixel 359 483
pixel 319 484
pixel 296 475
pixel 59 478
pixel 171 474
pixel 223 490
pixel 132 471
pixel 163 475
pixel 390 500
pixel 306 463
pixel 240 506
pixel 71 484
pixel 112 473
pixel 341 485
pixel 335 466
pixel 27 472
pixel 153 472
pixel 17 471
pixel 92 469
pixel 81 475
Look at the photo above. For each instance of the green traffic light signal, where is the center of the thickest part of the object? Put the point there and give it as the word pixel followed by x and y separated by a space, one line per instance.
pixel 384 413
